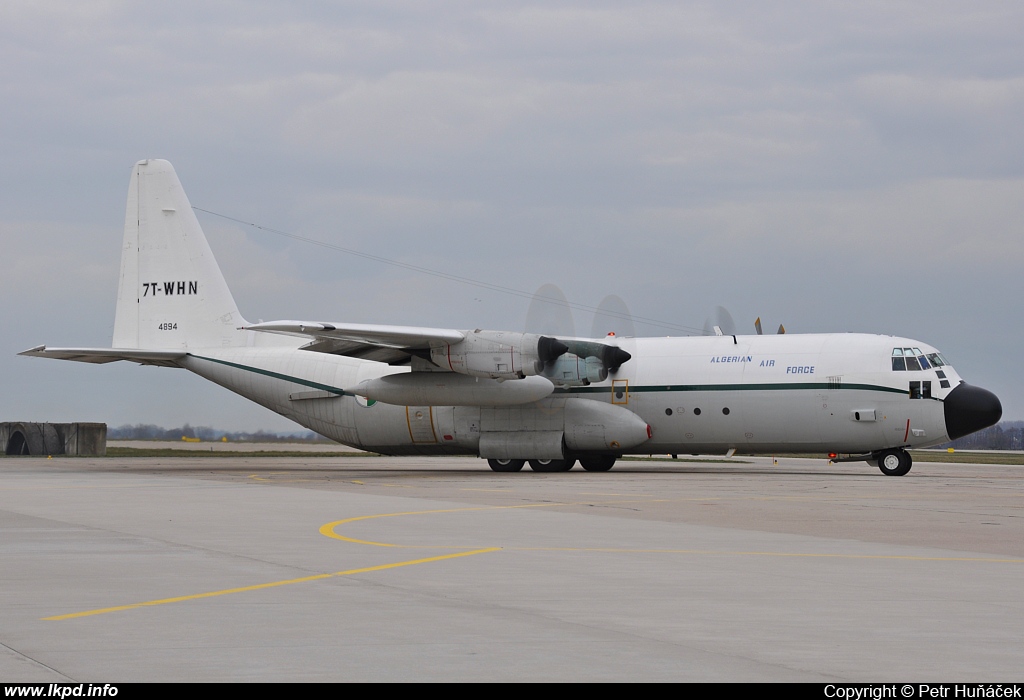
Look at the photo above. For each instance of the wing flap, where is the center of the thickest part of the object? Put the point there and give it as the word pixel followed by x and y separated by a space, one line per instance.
pixel 361 351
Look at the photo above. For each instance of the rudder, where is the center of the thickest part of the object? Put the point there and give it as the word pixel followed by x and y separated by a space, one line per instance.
pixel 171 293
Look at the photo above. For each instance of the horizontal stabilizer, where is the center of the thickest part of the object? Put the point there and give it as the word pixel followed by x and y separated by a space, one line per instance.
pixel 99 356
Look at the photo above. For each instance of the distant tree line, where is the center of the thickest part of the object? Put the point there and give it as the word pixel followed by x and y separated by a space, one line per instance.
pixel 155 432
pixel 1008 435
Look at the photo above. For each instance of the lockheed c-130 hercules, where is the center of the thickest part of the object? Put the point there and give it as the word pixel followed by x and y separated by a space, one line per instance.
pixel 512 397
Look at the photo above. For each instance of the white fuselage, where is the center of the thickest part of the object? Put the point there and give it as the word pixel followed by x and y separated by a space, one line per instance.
pixel 796 393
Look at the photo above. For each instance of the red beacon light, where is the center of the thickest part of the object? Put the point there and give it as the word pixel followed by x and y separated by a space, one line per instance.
pixel 833 455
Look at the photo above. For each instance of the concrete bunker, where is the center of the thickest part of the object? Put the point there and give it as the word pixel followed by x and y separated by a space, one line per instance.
pixel 47 439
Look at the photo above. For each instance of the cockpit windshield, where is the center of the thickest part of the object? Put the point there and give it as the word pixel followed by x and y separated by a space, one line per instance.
pixel 913 360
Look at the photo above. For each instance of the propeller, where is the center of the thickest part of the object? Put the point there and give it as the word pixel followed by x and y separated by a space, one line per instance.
pixel 720 323
pixel 612 318
pixel 549 313
pixel 757 325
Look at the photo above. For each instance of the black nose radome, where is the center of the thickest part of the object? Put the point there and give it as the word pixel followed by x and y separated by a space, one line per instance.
pixel 969 409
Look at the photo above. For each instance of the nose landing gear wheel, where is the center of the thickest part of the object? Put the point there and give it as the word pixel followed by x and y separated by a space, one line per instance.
pixel 506 465
pixel 894 462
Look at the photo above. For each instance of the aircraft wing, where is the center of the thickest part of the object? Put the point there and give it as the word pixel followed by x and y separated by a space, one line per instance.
pixel 99 356
pixel 391 344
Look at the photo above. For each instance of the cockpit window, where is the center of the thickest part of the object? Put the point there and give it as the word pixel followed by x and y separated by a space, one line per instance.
pixel 913 360
pixel 921 358
pixel 899 364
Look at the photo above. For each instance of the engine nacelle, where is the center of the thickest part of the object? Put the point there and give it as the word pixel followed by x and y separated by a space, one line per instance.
pixel 573 370
pixel 498 354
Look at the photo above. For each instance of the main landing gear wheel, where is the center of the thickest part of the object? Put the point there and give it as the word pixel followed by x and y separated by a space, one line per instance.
pixel 598 463
pixel 552 465
pixel 506 465
pixel 894 462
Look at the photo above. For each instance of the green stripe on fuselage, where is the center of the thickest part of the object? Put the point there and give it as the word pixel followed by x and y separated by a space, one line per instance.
pixel 782 386
pixel 276 375
pixel 814 386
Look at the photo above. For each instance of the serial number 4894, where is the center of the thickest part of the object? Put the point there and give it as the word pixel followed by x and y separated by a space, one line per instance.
pixel 167 327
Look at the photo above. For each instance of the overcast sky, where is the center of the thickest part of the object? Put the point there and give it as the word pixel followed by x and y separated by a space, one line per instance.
pixel 831 166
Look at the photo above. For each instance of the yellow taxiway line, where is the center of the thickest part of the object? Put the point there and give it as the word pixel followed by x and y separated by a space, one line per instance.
pixel 272 584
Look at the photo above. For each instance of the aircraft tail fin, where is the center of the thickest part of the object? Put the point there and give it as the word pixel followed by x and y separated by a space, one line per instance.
pixel 171 293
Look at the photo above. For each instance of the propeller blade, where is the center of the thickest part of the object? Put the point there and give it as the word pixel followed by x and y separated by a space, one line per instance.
pixel 612 317
pixel 720 323
pixel 725 321
pixel 782 329
pixel 549 313
pixel 757 325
